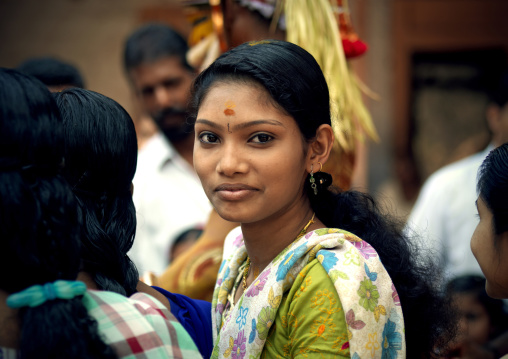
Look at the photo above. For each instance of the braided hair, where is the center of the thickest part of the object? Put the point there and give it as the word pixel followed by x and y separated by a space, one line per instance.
pixel 100 162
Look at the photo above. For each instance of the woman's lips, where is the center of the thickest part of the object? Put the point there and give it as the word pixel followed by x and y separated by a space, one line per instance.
pixel 234 192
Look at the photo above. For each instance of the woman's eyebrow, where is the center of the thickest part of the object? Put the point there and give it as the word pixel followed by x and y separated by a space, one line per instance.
pixel 257 122
pixel 209 123
pixel 241 125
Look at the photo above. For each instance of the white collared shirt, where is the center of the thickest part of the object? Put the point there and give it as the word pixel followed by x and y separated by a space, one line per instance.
pixel 445 215
pixel 169 200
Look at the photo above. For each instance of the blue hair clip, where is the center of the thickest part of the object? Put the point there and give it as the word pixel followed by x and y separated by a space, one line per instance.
pixel 38 294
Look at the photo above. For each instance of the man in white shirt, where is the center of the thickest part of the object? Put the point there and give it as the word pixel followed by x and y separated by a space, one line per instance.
pixel 445 215
pixel 168 195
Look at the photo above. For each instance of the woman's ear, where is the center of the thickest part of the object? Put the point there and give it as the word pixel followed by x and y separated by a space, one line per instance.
pixel 320 147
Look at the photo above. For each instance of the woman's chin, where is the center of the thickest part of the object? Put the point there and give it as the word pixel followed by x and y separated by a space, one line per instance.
pixel 235 216
pixel 495 292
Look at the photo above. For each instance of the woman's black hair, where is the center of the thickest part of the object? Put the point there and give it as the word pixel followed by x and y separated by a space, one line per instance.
pixel 39 225
pixel 297 86
pixel 475 285
pixel 100 162
pixel 492 186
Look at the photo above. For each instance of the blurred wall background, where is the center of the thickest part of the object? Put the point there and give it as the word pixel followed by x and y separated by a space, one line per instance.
pixel 87 33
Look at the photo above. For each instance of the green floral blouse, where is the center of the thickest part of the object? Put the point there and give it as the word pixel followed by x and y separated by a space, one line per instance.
pixel 310 319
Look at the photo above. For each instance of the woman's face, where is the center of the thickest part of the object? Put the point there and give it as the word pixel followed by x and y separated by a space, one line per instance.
pixel 249 155
pixel 488 255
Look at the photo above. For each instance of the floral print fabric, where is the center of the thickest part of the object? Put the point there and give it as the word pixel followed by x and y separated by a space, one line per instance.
pixel 369 299
pixel 310 320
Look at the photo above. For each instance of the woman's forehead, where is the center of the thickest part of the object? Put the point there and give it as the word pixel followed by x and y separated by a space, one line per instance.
pixel 229 94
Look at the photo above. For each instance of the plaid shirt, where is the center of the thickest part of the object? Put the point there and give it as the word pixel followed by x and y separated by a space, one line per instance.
pixel 137 327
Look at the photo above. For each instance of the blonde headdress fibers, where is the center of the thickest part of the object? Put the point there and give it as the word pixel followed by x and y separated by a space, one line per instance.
pixel 312 25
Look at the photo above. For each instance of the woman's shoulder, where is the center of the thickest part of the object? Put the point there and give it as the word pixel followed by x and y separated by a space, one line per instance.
pixel 340 242
pixel 311 317
pixel 138 325
pixel 141 301
pixel 141 307
pixel 361 285
pixel 312 281
pixel 335 232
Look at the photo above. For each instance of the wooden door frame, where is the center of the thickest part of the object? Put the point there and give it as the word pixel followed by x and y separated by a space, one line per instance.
pixel 434 26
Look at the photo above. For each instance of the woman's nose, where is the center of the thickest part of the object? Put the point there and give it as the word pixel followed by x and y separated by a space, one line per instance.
pixel 232 161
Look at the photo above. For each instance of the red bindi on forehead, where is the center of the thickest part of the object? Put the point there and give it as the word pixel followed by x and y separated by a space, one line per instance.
pixel 228 111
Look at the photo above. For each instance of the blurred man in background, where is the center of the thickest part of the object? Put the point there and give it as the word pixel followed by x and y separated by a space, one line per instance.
pixel 168 195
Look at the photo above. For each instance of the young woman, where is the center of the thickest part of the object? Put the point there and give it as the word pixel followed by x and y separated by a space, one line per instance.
pixel 318 26
pixel 44 311
pixel 297 279
pixel 489 242
pixel 100 162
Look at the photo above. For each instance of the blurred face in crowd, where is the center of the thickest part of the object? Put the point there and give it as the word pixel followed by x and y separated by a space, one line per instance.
pixel 163 88
pixel 488 249
pixel 474 321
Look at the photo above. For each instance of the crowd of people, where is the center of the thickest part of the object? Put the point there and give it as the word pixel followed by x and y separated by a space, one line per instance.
pixel 228 234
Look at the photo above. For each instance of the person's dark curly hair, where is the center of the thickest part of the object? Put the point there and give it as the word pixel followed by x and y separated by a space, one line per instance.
pixel 39 225
pixel 100 162
pixel 297 87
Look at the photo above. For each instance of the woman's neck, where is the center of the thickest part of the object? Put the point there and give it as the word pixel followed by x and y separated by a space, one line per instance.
pixel 87 279
pixel 9 324
pixel 265 240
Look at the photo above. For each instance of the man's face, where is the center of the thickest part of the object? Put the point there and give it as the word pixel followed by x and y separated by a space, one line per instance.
pixel 163 88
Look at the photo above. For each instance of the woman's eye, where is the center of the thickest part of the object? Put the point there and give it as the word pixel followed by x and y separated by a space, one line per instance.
pixel 261 138
pixel 208 138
